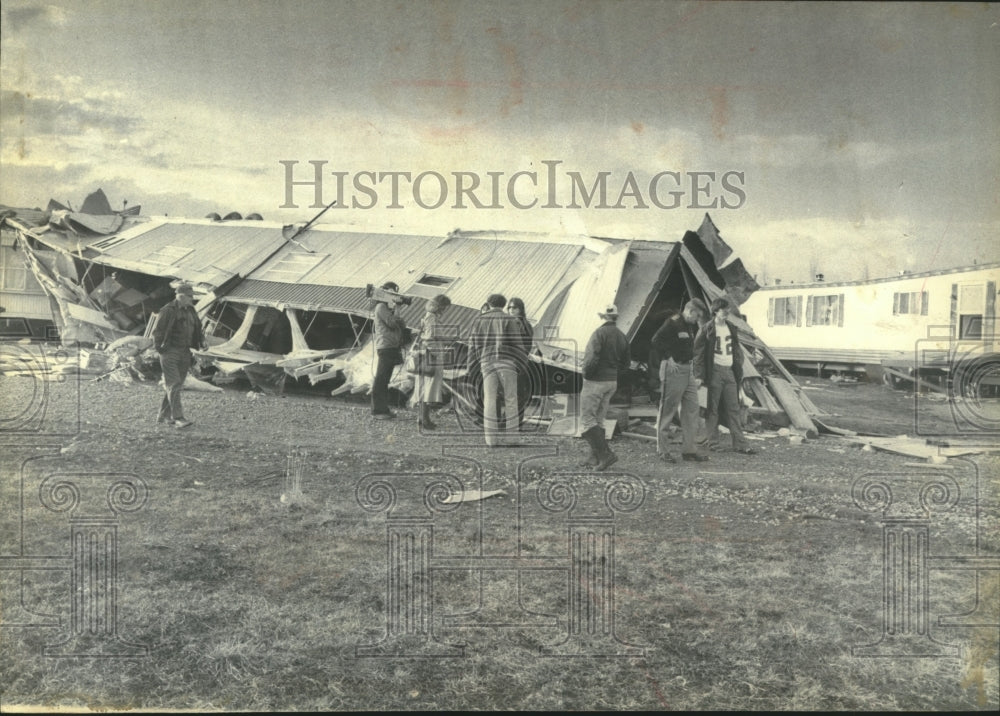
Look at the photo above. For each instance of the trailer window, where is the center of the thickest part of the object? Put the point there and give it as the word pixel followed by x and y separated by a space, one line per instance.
pixel 13 272
pixel 825 310
pixel 913 302
pixel 786 311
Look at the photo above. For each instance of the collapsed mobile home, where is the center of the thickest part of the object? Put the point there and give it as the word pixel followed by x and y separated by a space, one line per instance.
pixel 280 302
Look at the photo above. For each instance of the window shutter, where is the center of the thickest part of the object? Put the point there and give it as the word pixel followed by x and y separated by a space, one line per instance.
pixel 770 311
pixel 798 310
pixel 840 310
pixel 895 304
pixel 953 318
pixel 809 310
pixel 925 299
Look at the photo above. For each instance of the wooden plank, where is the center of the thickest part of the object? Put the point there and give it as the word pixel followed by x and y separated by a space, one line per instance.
pixel 763 395
pixel 643 411
pixel 320 377
pixel 833 430
pixel 914 379
pixel 788 399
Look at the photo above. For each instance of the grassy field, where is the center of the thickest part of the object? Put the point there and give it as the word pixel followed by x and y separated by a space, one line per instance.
pixel 745 581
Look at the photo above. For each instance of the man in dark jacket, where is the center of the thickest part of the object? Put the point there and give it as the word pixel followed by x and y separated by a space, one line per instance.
pixel 607 356
pixel 177 331
pixel 718 359
pixel 674 343
pixel 496 345
pixel 389 339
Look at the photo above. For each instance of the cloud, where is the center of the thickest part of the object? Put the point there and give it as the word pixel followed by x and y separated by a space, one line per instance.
pixel 19 18
pixel 846 251
pixel 791 151
pixel 49 115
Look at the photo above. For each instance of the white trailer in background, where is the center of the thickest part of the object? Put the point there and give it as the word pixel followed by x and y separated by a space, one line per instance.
pixel 921 327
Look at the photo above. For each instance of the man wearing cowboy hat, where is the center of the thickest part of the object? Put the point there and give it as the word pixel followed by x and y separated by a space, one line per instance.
pixel 607 356
pixel 177 331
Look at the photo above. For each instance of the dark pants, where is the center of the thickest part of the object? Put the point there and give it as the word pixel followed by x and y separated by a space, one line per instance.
pixel 723 390
pixel 175 362
pixel 388 359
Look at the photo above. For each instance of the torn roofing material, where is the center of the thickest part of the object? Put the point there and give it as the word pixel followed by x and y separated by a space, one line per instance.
pixel 196 250
pixel 328 270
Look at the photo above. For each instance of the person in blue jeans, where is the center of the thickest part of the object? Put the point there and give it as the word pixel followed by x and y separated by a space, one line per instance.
pixel 496 345
pixel 176 332
pixel 718 361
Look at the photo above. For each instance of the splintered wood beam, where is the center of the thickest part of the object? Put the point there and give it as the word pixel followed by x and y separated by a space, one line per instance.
pixel 793 407
pixel 320 377
pixel 762 394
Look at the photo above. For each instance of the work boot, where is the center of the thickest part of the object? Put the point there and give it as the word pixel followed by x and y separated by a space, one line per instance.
pixel 424 420
pixel 593 460
pixel 606 456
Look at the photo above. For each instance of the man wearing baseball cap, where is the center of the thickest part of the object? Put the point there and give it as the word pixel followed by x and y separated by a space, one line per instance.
pixel 177 331
pixel 607 356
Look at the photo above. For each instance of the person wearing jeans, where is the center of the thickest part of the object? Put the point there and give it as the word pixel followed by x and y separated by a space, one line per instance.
pixel 718 360
pixel 674 343
pixel 176 332
pixel 606 357
pixel 496 344
pixel 389 330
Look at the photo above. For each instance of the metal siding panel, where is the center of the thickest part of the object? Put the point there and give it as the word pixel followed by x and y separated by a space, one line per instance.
pixel 24 305
pixel 482 266
pixel 219 250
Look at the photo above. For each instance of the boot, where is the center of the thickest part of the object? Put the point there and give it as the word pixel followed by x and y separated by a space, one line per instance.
pixel 593 460
pixel 607 458
pixel 424 421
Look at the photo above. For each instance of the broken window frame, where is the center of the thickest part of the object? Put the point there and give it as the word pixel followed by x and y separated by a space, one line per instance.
pixel 440 284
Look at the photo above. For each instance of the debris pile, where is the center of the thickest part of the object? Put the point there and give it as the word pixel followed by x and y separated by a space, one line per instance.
pixel 284 302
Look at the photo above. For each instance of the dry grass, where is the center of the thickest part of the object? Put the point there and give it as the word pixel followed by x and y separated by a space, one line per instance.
pixel 747 582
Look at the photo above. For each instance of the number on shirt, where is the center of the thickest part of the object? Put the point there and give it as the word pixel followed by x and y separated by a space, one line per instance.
pixel 729 345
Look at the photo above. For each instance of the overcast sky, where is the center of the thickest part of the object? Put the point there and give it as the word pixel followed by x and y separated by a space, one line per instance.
pixel 860 138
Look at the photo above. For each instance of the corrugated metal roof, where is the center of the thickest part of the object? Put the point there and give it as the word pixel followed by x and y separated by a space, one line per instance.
pixel 31 217
pixel 200 252
pixel 590 294
pixel 645 269
pixel 886 279
pixel 531 270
